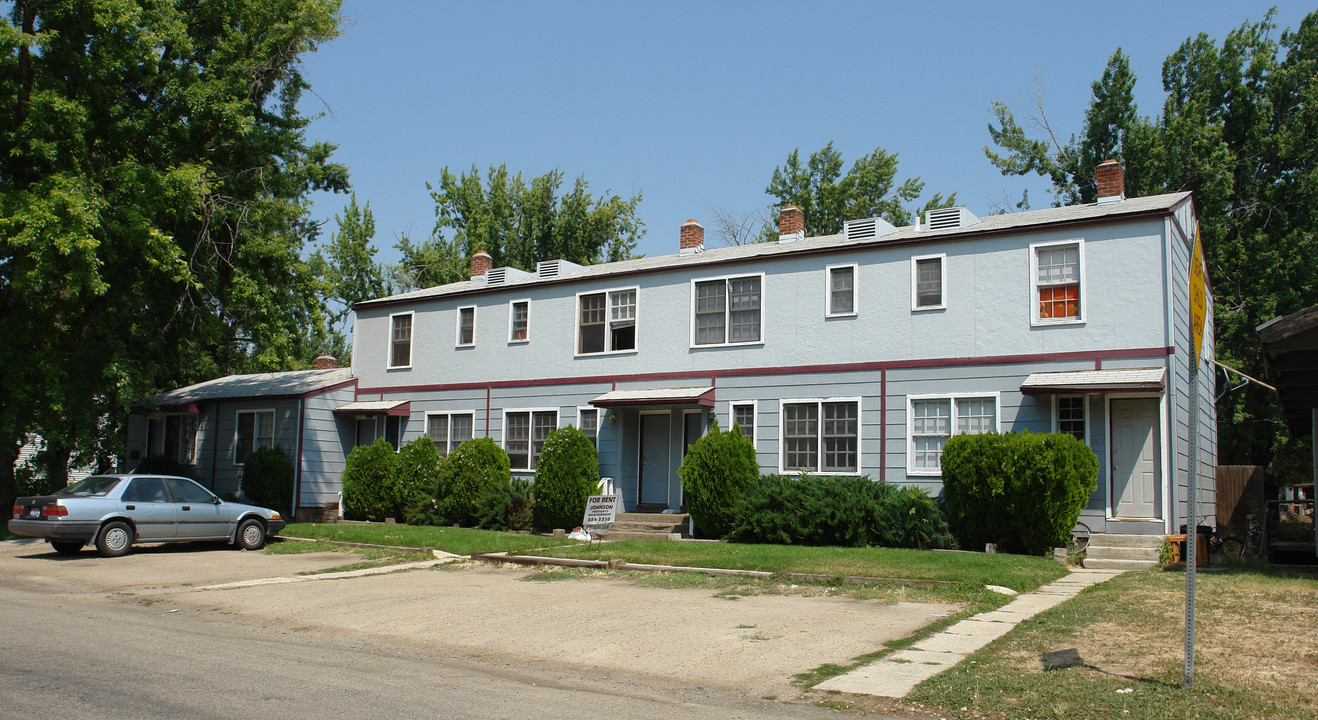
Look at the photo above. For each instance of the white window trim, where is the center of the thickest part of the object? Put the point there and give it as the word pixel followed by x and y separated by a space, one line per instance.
pixel 531 411
pixel 449 414
pixel 860 434
pixel 163 419
pixel 755 413
pixel 1057 419
pixel 942 282
pixel 512 304
pixel 727 310
pixel 457 327
pixel 576 322
pixel 952 423
pixel 1035 320
pixel 411 341
pixel 599 420
pixel 256 426
pixel 828 293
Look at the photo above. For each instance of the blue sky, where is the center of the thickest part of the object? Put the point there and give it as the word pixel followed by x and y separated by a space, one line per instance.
pixel 694 103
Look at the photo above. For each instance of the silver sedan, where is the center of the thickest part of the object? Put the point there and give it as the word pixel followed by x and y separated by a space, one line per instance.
pixel 114 511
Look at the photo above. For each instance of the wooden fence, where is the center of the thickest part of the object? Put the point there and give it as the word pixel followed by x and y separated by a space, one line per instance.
pixel 1239 493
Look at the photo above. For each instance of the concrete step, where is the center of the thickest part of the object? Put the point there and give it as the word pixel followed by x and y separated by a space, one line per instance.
pixel 1114 540
pixel 647 526
pixel 1123 553
pixel 616 535
pixel 1103 564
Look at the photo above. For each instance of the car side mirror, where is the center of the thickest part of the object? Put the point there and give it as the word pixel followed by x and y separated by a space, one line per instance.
pixel 215 500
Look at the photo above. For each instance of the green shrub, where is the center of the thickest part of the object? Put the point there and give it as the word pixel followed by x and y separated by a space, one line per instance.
pixel 416 471
pixel 163 465
pixel 370 490
pixel 267 479
pixel 1023 491
pixel 464 474
pixel 567 473
pixel 506 507
pixel 841 511
pixel 716 471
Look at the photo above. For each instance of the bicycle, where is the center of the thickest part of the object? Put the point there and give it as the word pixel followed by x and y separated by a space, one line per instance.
pixel 1220 543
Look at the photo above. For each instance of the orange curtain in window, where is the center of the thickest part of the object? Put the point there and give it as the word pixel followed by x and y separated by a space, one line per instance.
pixel 1059 301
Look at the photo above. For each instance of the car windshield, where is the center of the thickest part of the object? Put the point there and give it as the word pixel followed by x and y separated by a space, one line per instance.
pixel 94 485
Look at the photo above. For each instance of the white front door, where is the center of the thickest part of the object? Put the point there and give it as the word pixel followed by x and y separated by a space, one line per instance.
pixel 1136 459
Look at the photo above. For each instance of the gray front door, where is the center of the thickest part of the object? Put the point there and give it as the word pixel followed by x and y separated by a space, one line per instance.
pixel 654 459
pixel 1136 459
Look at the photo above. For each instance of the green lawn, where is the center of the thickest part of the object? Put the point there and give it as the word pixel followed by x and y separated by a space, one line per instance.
pixel 1256 656
pixel 1014 571
pixel 460 541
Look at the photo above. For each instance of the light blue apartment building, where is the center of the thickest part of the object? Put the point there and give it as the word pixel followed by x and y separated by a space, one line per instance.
pixel 852 354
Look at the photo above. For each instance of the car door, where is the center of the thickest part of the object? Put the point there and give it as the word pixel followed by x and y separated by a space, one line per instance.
pixel 147 502
pixel 199 515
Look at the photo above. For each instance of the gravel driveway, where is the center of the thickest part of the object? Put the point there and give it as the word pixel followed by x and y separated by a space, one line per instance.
pixel 597 625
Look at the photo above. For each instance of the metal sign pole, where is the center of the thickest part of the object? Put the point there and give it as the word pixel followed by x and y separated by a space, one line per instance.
pixel 1192 523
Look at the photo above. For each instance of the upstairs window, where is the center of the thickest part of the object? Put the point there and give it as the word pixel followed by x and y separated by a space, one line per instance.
pixel 841 291
pixel 466 326
pixel 606 322
pixel 255 429
pixel 519 320
pixel 400 340
pixel 927 282
pixel 727 311
pixel 1058 272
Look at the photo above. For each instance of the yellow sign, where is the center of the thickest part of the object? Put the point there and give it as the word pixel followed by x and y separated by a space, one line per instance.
pixel 1198 297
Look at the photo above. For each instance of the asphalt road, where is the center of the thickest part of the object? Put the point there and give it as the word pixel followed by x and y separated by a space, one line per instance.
pixel 77 641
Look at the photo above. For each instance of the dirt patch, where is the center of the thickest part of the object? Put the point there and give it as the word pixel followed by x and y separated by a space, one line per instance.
pixel 681 637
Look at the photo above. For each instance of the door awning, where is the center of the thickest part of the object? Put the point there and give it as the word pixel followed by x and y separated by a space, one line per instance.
pixel 656 396
pixel 396 408
pixel 1124 380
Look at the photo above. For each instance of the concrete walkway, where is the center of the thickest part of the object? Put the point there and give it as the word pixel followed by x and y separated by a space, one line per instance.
pixel 897 674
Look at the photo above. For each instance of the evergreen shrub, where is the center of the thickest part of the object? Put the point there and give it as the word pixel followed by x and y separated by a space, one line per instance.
pixel 566 474
pixel 464 474
pixel 1023 491
pixel 268 479
pixel 508 506
pixel 416 471
pixel 837 511
pixel 370 489
pixel 718 468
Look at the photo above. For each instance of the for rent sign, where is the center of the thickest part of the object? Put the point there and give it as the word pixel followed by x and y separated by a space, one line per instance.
pixel 601 511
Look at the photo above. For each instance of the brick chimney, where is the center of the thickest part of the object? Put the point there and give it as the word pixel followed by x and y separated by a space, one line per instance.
pixel 480 263
pixel 791 224
pixel 692 237
pixel 1111 182
pixel 325 362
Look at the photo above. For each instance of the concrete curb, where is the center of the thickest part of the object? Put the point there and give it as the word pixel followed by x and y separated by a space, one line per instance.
pixel 897 674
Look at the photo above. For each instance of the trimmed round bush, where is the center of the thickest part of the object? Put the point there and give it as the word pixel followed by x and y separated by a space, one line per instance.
pixel 268 479
pixel 464 475
pixel 718 468
pixel 1023 491
pixel 370 490
pixel 508 506
pixel 416 470
pixel 567 473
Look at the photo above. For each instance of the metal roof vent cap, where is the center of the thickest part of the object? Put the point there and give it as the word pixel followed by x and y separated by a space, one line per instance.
pixel 949 218
pixel 866 229
pixel 504 275
pixel 548 269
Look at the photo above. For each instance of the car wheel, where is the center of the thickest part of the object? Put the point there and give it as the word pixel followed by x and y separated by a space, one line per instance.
pixel 114 539
pixel 251 535
pixel 67 547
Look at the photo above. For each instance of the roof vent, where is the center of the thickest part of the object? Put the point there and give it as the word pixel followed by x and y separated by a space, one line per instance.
pixel 505 275
pixel 866 229
pixel 949 218
pixel 548 269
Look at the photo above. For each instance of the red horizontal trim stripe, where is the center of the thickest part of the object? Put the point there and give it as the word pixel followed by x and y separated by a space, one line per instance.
pixel 713 375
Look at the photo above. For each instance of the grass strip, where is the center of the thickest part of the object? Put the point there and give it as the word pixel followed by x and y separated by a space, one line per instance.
pixel 369 557
pixel 459 541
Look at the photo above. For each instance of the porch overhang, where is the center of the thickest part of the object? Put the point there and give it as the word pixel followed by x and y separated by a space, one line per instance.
pixel 1091 382
pixel 392 408
pixel 1290 350
pixel 656 396
pixel 185 408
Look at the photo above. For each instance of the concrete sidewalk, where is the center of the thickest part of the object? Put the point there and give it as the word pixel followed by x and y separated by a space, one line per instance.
pixel 896 674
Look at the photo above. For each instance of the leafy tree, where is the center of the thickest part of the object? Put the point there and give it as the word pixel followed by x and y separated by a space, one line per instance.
pixel 518 224
pixel 1236 129
pixel 827 198
pixel 153 170
pixel 349 271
